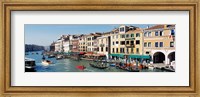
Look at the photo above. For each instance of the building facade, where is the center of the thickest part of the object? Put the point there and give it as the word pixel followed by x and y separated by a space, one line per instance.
pixel 52 47
pixel 128 40
pixel 83 43
pixel 75 45
pixel 66 42
pixel 59 45
pixel 91 41
pixel 159 42
pixel 102 43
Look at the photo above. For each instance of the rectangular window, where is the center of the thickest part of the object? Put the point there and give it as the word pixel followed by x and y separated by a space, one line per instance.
pixel 171 44
pixel 106 49
pixel 156 44
pixel 121 50
pixel 113 43
pixel 161 44
pixel 122 43
pixel 127 42
pixel 127 35
pixel 121 29
pixel 122 36
pixel 102 49
pixel 127 50
pixel 132 35
pixel 172 32
pixel 116 36
pixel 161 33
pixel 137 34
pixel 132 42
pixel 149 44
pixel 156 33
pixel 113 50
pixel 149 34
pixel 117 50
pixel 131 50
pixel 145 34
pixel 137 42
pixel 145 44
pixel 113 37
pixel 137 50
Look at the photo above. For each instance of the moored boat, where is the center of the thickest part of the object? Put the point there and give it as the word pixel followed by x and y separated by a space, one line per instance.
pixel 51 56
pixel 58 57
pixel 151 67
pixel 112 65
pixel 126 68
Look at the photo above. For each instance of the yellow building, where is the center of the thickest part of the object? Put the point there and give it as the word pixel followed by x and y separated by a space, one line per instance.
pixel 83 43
pixel 159 42
pixel 128 40
pixel 91 42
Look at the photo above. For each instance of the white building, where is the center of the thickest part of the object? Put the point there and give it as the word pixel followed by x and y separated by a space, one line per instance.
pixel 58 45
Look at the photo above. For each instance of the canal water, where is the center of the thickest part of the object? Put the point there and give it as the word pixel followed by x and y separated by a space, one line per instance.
pixel 69 65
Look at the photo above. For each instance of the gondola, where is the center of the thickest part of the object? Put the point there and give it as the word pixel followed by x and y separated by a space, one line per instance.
pixel 99 66
pixel 130 70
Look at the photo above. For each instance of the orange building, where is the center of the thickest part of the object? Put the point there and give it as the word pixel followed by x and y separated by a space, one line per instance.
pixel 159 42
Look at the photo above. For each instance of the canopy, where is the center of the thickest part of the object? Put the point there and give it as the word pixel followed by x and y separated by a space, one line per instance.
pixel 139 56
pixel 117 55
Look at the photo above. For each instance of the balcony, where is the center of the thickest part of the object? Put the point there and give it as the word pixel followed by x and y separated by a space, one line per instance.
pixel 102 45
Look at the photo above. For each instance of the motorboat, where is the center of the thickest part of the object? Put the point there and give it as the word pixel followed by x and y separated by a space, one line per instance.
pixel 29 65
pixel 80 67
pixel 46 62
pixel 51 56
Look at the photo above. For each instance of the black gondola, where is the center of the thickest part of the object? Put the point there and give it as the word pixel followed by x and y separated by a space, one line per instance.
pixel 99 66
pixel 130 70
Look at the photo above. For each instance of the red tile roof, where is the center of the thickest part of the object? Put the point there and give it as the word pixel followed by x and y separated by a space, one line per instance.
pixel 155 27
pixel 158 27
pixel 137 30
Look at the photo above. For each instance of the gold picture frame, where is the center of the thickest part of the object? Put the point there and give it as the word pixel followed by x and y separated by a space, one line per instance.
pixel 119 5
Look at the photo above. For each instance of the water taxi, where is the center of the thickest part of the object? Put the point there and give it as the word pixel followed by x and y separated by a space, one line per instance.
pixel 29 65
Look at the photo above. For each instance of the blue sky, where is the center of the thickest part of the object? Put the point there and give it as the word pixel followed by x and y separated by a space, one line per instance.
pixel 45 34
